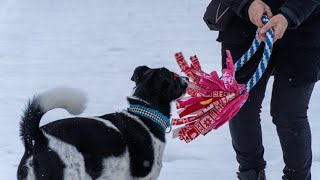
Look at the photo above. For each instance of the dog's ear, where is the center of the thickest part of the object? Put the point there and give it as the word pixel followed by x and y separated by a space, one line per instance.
pixel 138 73
pixel 165 75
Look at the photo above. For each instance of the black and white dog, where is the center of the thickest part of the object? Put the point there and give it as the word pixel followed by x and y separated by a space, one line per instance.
pixel 126 145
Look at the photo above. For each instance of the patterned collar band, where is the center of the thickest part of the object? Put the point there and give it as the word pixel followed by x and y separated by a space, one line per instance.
pixel 151 114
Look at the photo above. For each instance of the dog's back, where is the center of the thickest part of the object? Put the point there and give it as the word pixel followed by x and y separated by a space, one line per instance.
pixel 67 149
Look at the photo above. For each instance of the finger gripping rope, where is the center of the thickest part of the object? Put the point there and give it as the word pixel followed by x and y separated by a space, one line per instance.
pixel 214 100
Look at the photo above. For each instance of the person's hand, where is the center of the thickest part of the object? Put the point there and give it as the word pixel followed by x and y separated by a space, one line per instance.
pixel 278 23
pixel 256 10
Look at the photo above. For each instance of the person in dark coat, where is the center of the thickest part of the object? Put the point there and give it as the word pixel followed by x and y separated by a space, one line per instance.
pixel 295 64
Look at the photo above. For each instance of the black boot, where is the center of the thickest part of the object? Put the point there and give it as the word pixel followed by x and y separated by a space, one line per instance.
pixel 252 175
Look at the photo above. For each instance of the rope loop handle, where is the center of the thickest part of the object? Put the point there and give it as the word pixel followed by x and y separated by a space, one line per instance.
pixel 265 56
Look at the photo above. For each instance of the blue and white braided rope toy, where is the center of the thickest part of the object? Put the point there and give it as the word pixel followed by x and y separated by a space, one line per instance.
pixel 264 60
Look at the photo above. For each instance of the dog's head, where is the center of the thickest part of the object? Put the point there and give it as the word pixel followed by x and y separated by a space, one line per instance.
pixel 159 84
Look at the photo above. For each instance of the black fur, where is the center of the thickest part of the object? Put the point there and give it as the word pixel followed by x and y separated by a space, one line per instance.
pixel 155 88
pixel 29 125
pixel 92 138
pixel 138 73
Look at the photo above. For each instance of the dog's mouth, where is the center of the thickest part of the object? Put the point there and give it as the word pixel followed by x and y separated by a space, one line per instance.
pixel 182 84
pixel 185 81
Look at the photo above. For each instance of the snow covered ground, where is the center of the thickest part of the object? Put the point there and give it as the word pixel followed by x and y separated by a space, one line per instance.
pixel 95 46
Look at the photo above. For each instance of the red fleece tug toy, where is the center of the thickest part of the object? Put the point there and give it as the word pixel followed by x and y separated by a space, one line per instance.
pixel 212 102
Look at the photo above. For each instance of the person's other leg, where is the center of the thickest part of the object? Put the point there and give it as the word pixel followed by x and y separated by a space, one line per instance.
pixel 289 107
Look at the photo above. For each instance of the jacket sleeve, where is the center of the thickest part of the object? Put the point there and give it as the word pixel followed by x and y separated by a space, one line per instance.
pixel 240 7
pixel 296 11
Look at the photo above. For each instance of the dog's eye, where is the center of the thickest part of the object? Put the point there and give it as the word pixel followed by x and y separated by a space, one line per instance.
pixel 23 172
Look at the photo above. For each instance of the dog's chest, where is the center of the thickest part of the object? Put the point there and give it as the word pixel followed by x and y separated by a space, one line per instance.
pixel 122 164
pixel 145 148
pixel 158 154
pixel 118 168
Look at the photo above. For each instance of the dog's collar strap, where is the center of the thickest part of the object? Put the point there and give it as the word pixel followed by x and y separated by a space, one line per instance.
pixel 151 114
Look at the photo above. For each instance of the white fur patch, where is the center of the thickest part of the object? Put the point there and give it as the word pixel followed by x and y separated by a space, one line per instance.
pixel 117 168
pixel 71 157
pixel 114 168
pixel 138 99
pixel 70 99
pixel 29 164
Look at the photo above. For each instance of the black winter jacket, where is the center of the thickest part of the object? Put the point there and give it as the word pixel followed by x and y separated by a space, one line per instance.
pixel 303 17
pixel 303 33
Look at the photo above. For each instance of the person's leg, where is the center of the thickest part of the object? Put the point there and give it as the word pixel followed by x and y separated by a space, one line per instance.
pixel 289 107
pixel 246 133
pixel 245 127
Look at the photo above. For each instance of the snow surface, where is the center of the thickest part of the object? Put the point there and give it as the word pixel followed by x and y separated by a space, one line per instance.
pixel 95 46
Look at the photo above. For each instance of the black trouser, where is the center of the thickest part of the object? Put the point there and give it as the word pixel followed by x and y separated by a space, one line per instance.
pixel 289 106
